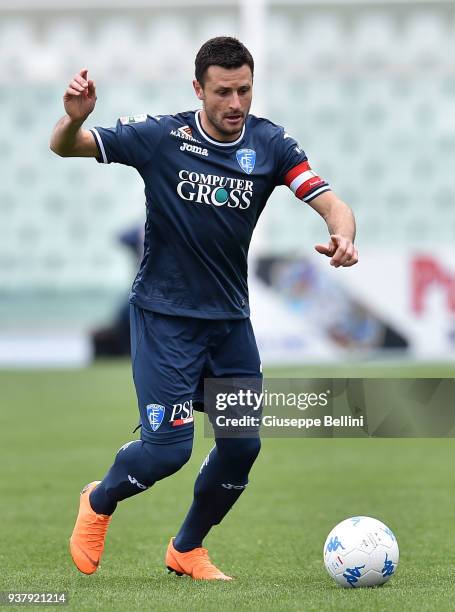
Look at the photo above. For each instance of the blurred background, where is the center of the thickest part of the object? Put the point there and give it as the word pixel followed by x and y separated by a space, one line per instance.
pixel 368 90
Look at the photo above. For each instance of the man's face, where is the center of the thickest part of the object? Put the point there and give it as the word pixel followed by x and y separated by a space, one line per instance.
pixel 226 97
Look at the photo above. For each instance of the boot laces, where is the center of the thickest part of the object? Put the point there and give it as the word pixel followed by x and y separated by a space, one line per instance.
pixel 202 561
pixel 95 532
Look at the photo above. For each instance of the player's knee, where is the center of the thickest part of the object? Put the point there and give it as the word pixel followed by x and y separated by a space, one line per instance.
pixel 175 460
pixel 144 463
pixel 162 460
pixel 239 450
pixel 250 449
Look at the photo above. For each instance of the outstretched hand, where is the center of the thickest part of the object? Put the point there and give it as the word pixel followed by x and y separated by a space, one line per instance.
pixel 80 97
pixel 341 250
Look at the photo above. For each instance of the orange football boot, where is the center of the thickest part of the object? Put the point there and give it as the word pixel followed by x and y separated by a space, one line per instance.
pixel 194 563
pixel 89 533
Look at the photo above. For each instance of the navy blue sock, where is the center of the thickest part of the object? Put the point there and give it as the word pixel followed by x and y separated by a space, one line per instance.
pixel 221 481
pixel 137 466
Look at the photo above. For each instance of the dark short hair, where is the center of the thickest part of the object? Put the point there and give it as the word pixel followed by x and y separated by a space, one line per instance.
pixel 223 51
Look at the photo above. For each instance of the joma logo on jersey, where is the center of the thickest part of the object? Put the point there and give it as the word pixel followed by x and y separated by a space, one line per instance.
pixel 193 149
pixel 214 190
pixel 182 413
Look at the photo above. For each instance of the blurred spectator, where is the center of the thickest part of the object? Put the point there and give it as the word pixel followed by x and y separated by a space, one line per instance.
pixel 114 340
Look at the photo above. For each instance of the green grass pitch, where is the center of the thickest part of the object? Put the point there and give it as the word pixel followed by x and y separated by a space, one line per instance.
pixel 60 429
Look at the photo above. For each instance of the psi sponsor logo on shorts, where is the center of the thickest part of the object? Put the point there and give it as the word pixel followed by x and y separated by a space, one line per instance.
pixel 182 413
pixel 155 415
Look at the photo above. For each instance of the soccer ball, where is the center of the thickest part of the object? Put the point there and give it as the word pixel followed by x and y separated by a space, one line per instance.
pixel 360 552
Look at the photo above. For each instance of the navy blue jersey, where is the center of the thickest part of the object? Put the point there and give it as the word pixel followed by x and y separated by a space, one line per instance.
pixel 203 200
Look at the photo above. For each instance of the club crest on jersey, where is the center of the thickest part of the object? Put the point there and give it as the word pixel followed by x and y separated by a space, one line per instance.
pixel 155 415
pixel 246 159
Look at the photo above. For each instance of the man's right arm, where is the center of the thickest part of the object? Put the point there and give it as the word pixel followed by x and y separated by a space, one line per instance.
pixel 68 138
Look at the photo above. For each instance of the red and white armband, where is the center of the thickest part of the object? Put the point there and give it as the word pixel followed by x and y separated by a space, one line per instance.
pixel 305 183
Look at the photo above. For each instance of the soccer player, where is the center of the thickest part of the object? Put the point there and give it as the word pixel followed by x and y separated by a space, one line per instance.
pixel 208 175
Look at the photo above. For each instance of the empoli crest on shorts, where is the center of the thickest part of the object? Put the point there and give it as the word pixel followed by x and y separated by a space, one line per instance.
pixel 155 415
pixel 246 159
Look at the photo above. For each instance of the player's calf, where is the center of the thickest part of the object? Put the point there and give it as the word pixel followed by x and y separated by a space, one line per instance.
pixel 137 466
pixel 220 482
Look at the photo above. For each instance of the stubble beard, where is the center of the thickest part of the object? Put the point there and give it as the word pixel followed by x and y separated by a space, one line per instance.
pixel 221 129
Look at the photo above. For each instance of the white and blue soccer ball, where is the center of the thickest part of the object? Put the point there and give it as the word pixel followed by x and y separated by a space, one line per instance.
pixel 361 552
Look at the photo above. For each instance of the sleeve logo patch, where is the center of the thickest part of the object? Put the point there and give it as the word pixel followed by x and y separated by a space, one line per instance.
pixel 127 119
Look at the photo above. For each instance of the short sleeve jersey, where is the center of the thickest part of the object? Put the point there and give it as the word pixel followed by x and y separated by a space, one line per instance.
pixel 203 200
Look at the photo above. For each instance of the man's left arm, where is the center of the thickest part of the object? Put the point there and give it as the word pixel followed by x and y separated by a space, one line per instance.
pixel 341 225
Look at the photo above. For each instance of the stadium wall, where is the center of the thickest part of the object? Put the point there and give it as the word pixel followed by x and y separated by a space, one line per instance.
pixel 366 87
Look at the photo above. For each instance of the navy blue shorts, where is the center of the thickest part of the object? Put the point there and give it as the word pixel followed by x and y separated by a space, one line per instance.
pixel 172 355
